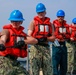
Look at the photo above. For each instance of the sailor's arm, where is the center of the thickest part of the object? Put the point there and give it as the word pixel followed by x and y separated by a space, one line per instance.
pixel 30 40
pixel 4 35
pixel 52 37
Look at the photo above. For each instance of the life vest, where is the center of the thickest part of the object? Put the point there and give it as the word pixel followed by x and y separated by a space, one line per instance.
pixel 73 32
pixel 14 51
pixel 61 31
pixel 42 29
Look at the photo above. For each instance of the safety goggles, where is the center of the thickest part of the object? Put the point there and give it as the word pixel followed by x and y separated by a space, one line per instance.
pixel 41 12
pixel 17 21
pixel 60 16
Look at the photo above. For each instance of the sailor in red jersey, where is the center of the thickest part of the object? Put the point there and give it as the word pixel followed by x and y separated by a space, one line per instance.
pixel 41 29
pixel 73 43
pixel 13 44
pixel 59 50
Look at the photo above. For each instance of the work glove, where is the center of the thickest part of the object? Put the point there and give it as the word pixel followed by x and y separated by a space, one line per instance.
pixel 42 40
pixel 19 44
pixel 2 47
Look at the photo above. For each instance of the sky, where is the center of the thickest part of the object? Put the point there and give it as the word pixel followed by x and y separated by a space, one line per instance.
pixel 28 8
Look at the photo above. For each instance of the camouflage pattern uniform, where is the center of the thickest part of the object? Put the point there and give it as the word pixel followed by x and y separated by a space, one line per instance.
pixel 70 56
pixel 10 66
pixel 74 58
pixel 40 59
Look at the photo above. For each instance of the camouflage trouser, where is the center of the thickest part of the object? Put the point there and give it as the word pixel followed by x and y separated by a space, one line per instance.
pixel 74 57
pixel 40 59
pixel 11 67
pixel 71 57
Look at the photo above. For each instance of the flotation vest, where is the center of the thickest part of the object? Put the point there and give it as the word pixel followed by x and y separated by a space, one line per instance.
pixel 42 28
pixel 73 32
pixel 14 51
pixel 62 31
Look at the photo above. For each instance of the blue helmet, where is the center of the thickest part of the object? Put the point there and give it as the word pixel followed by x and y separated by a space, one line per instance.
pixel 40 8
pixel 74 20
pixel 16 15
pixel 60 13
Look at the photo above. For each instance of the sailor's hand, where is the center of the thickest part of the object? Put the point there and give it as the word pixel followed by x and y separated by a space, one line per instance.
pixel 20 44
pixel 44 39
pixel 71 39
pixel 2 47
